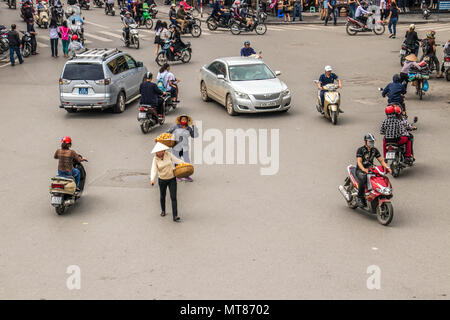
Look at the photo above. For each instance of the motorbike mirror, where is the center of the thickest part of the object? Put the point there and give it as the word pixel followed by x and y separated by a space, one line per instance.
pixel 316 81
pixel 416 119
pixel 380 89
pixel 277 73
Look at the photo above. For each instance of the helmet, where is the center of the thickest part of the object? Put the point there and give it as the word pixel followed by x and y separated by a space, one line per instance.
pixel 66 140
pixel 246 42
pixel 430 34
pixel 396 78
pixel 412 26
pixel 149 75
pixel 369 137
pixel 328 68
pixel 74 37
pixel 397 110
pixel 237 2
pixel 128 12
pixel 389 110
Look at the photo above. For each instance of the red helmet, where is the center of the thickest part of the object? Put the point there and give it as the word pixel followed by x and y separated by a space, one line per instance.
pixel 397 110
pixel 66 139
pixel 389 110
pixel 74 37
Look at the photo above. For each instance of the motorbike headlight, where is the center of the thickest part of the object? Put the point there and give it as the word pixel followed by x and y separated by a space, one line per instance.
pixel 286 93
pixel 386 191
pixel 242 95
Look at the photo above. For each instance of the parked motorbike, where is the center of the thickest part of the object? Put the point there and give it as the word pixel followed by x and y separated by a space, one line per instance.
pixel 213 23
pixel 353 26
pixel 109 9
pixel 331 102
pixel 85 4
pixel 12 4
pixel 99 3
pixel 58 13
pixel 63 189
pixel 378 193
pixel 258 26
pixel 395 156
pixel 426 12
pixel 165 54
pixel 446 70
pixel 26 44
pixel 42 17
pixel 134 36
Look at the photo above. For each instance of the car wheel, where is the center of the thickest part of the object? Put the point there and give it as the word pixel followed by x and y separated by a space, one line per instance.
pixel 120 105
pixel 230 106
pixel 204 92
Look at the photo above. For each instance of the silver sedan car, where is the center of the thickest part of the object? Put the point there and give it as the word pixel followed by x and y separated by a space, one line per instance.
pixel 244 85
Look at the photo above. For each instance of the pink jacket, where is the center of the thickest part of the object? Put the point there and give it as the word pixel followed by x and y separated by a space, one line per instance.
pixel 64 33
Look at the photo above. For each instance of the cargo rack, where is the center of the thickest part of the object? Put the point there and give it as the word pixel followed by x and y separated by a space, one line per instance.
pixel 96 53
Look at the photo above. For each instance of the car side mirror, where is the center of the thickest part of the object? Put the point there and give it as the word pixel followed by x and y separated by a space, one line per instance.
pixel 220 77
pixel 139 64
pixel 277 73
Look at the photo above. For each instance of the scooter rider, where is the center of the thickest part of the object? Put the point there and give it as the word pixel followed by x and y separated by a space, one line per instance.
pixel 406 127
pixel 429 49
pixel 364 157
pixel 66 157
pixel 181 17
pixel 219 10
pixel 361 13
pixel 151 95
pixel 327 78
pixel 173 13
pixel 127 21
pixel 394 91
pixel 411 39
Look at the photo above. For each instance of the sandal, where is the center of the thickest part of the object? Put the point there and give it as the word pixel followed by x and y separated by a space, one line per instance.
pixel 163 214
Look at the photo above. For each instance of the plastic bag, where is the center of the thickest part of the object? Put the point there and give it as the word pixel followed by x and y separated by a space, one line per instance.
pixel 425 86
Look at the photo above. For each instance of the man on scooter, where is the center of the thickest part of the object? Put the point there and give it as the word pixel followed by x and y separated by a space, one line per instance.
pixel 361 13
pixel 66 157
pixel 151 95
pixel 127 21
pixel 364 157
pixel 327 78
pixel 394 91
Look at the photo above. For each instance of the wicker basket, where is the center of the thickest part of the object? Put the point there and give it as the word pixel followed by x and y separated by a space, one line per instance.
pixel 168 142
pixel 183 172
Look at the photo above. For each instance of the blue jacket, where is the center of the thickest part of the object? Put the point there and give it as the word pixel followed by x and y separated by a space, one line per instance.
pixel 394 91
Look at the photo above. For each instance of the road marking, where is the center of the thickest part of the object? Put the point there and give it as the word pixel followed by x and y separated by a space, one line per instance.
pixel 147 31
pixel 112 34
pixel 42 45
pixel 8 64
pixel 95 24
pixel 97 37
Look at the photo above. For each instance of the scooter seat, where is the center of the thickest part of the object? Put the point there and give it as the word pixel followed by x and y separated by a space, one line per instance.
pixel 65 178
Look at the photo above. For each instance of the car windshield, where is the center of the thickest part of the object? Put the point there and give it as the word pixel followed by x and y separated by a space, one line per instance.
pixel 83 71
pixel 250 72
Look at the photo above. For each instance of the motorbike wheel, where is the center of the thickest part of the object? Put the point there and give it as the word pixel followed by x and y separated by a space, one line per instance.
pixel 26 51
pixel 261 29
pixel 447 75
pixel 60 210
pixel 136 43
pixel 235 29
pixel 402 60
pixel 348 28
pixel 379 29
pixel 395 168
pixel 113 13
pixel 334 117
pixel 149 23
pixel 186 56
pixel 196 31
pixel 385 213
pixel 198 22
pixel 211 24
pixel 45 25
pixel 145 127
pixel 419 89
pixel 161 59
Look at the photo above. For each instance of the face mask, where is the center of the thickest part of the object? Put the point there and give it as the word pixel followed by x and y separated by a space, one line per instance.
pixel 371 144
pixel 183 123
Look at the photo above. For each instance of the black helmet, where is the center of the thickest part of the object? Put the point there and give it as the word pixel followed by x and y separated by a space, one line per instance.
pixel 369 137
pixel 149 75
pixel 396 78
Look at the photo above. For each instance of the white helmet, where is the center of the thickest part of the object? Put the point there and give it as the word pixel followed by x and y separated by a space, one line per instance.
pixel 328 68
pixel 412 26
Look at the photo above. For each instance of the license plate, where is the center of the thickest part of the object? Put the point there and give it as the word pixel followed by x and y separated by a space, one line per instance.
pixel 268 104
pixel 56 200
pixel 402 51
pixel 142 115
pixel 447 64
pixel 83 90
pixel 390 155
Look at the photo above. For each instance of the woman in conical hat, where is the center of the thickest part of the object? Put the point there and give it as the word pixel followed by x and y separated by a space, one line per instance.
pixel 410 61
pixel 183 129
pixel 163 164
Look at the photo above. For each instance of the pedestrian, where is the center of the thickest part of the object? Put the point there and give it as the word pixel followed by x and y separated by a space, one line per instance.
pixel 383 10
pixel 332 9
pixel 287 8
pixel 164 35
pixel 157 42
pixel 54 37
pixel 14 45
pixel 392 20
pixel 33 34
pixel 298 8
pixel 163 164
pixel 183 129
pixel 352 8
pixel 325 10
pixel 64 32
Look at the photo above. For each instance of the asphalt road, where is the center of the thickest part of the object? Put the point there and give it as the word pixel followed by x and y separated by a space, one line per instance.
pixel 243 235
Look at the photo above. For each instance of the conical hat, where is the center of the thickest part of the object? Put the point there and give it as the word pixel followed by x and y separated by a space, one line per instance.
pixel 177 121
pixel 411 57
pixel 159 147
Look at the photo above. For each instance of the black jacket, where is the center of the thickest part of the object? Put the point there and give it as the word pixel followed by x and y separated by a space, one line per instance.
pixel 149 93
pixel 13 38
pixel 411 38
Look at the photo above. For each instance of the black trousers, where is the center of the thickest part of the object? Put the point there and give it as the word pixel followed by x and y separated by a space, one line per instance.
pixel 33 44
pixel 362 181
pixel 54 46
pixel 172 184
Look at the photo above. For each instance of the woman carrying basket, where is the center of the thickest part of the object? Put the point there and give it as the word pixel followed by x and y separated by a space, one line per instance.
pixel 182 130
pixel 163 164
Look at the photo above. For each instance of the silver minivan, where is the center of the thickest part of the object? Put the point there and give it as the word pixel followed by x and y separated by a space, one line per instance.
pixel 100 79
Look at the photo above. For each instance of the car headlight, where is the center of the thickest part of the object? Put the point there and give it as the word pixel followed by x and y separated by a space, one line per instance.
pixel 286 93
pixel 242 95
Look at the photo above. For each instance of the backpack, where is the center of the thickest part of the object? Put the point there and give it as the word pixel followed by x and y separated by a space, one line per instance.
pixel 28 13
pixel 426 47
pixel 160 83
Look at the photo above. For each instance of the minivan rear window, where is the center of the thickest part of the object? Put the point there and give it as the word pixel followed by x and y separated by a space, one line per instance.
pixel 83 71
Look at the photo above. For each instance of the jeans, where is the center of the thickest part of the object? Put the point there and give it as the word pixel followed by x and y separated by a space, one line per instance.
pixel 75 174
pixel 33 44
pixel 65 46
pixel 297 8
pixel 54 47
pixel 172 184
pixel 322 96
pixel 127 33
pixel 11 55
pixel 331 11
pixel 434 59
pixel 393 24
pixel 361 176
pixel 352 7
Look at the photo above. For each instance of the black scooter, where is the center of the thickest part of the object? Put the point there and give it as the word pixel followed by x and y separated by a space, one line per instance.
pixel 148 116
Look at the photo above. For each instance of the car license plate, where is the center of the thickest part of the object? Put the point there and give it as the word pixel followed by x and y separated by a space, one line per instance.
pixel 268 104
pixel 142 115
pixel 56 200
pixel 446 64
pixel 390 155
pixel 83 90
pixel 402 51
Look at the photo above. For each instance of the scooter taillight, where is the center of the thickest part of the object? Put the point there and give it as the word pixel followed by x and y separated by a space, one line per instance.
pixel 143 109
pixel 447 59
pixel 404 48
pixel 57 186
pixel 389 148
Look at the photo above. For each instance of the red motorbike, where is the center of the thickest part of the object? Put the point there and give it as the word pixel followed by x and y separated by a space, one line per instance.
pixel 353 26
pixel 378 193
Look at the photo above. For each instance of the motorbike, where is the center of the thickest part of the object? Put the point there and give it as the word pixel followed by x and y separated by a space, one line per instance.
pixel 99 3
pixel 214 22
pixel 58 13
pixel 4 43
pixel 378 193
pixel 109 9
pixel 419 77
pixel 77 29
pixel 331 102
pixel 63 189
pixel 404 52
pixel 152 11
pixel 402 105
pixel 148 118
pixel 447 64
pixel 395 156
pixel 426 12
pixel 134 36
pixel 12 4
pixel 258 26
pixel 42 17
pixel 145 20
pixel 165 55
pixel 69 11
pixel 191 27
pixel 85 4
pixel 353 26
pixel 26 44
